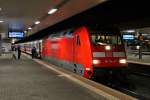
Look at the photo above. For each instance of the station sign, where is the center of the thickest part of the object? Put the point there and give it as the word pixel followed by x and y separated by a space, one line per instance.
pixel 15 34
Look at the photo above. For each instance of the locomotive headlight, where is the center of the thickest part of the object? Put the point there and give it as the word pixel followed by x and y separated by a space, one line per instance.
pixel 107 47
pixel 123 61
pixel 96 61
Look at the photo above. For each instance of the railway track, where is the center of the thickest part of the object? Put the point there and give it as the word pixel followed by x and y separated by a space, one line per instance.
pixel 129 92
pixel 137 85
pixel 127 89
pixel 141 74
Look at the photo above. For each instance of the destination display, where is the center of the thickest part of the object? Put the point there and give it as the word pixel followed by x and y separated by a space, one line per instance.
pixel 15 34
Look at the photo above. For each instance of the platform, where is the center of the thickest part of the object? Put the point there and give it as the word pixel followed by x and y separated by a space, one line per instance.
pixel 25 79
pixel 134 58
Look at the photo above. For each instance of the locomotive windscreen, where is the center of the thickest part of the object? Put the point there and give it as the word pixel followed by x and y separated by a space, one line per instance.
pixel 106 38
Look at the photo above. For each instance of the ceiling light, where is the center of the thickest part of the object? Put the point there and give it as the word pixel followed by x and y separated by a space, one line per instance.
pixel 29 28
pixel 37 22
pixel 1 21
pixel 25 31
pixel 52 11
pixel 129 31
pixel 13 41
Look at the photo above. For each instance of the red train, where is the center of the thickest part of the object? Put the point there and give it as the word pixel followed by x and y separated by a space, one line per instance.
pixel 85 51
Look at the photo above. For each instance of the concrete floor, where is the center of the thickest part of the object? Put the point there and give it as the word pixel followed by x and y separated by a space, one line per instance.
pixel 25 79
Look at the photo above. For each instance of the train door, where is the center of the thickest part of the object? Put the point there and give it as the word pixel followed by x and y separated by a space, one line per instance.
pixel 82 52
pixel 76 47
pixel 77 43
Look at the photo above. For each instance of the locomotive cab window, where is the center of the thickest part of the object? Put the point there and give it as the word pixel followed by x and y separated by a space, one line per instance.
pixel 104 39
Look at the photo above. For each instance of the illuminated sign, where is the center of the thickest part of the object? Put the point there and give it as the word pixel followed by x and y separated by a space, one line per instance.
pixel 128 37
pixel 15 34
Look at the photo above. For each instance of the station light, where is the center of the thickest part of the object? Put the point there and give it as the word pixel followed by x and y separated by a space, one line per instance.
pixel 25 31
pixel 29 28
pixel 13 41
pixel 52 11
pixel 37 22
pixel 41 41
pixel 1 21
pixel 129 31
pixel 138 47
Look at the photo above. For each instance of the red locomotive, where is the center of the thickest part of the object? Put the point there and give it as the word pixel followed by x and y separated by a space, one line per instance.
pixel 86 51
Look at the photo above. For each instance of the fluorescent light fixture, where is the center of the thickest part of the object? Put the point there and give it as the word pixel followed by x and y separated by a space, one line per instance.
pixel 41 41
pixel 29 28
pixel 138 47
pixel 129 31
pixel 25 31
pixel 13 41
pixel 52 11
pixel 1 21
pixel 37 22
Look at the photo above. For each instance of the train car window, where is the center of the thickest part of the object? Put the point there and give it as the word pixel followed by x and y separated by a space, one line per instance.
pixel 57 34
pixel 78 40
pixel 61 34
pixel 64 33
pixel 54 35
pixel 51 36
pixel 69 34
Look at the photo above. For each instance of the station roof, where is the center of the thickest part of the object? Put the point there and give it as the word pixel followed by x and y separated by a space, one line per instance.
pixel 19 15
pixel 124 14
